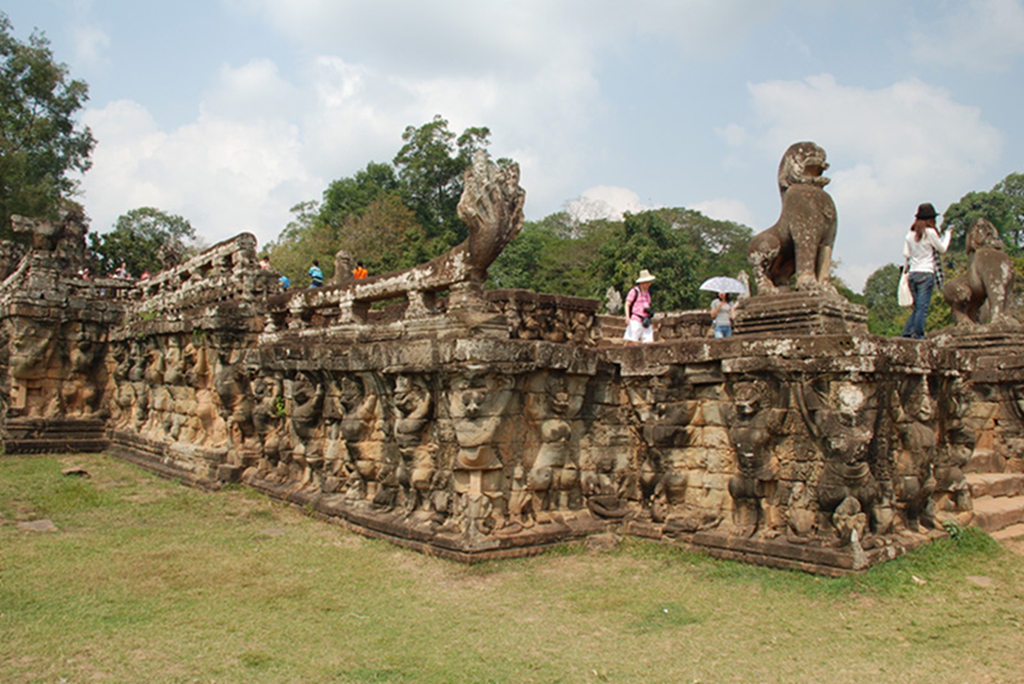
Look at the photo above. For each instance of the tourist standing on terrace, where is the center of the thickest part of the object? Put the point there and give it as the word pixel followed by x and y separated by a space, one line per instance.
pixel 638 311
pixel 316 276
pixel 722 313
pixel 921 249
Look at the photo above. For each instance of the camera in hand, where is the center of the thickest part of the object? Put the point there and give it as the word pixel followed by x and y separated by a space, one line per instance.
pixel 646 319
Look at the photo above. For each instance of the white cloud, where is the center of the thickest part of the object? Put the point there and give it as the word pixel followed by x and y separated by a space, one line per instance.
pixel 527 69
pixel 91 43
pixel 982 35
pixel 254 90
pixel 725 209
pixel 604 202
pixel 225 176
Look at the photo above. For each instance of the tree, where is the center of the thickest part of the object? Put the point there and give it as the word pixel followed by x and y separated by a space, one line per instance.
pixel 885 315
pixel 347 196
pixel 304 239
pixel 40 143
pixel 647 240
pixel 1013 188
pixel 430 167
pixel 389 217
pixel 141 239
pixel 554 255
pixel 995 206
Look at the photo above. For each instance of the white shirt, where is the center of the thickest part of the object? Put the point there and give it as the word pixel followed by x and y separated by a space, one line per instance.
pixel 920 254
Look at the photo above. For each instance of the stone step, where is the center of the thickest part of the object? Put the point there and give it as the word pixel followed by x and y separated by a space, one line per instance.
pixel 985 461
pixel 995 484
pixel 996 513
pixel 55 445
pixel 1011 532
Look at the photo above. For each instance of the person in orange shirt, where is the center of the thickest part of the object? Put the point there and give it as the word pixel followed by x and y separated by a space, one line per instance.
pixel 359 272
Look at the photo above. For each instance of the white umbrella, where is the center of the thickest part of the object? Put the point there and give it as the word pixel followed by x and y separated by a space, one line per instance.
pixel 724 284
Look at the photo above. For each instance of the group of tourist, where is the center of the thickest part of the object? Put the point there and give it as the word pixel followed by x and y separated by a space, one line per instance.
pixel 316 274
pixel 921 250
pixel 120 273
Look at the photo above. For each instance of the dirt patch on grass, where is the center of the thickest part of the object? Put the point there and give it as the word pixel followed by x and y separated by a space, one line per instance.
pixel 1014 545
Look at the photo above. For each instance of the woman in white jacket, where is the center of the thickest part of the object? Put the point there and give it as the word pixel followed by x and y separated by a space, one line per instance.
pixel 921 249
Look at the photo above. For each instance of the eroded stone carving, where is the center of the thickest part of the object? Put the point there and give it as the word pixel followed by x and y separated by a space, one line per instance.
pixel 914 480
pixel 982 294
pixel 478 401
pixel 509 426
pixel 800 243
pixel 840 415
pixel 552 403
pixel 755 419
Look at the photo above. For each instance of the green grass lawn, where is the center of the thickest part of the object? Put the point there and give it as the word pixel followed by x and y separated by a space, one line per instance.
pixel 145 580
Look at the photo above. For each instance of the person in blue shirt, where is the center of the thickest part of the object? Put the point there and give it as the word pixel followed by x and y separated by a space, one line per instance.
pixel 316 276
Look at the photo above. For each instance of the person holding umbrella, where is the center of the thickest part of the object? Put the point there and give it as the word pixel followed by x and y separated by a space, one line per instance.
pixel 722 313
pixel 722 310
pixel 638 311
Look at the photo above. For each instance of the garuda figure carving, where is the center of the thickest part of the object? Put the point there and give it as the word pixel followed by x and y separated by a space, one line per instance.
pixel 801 240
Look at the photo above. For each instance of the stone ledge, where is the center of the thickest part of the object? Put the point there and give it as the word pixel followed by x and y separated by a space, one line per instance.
pixel 995 484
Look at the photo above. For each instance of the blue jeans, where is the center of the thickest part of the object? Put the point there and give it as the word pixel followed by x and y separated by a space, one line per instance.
pixel 921 286
pixel 723 331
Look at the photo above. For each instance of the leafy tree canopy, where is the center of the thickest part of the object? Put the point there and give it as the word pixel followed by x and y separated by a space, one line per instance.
pixel 960 216
pixel 143 240
pixel 430 166
pixel 1003 205
pixel 390 216
pixel 1012 187
pixel 681 247
pixel 40 143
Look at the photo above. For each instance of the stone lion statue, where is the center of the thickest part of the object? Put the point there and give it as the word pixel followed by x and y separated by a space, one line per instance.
pixel 982 294
pixel 801 240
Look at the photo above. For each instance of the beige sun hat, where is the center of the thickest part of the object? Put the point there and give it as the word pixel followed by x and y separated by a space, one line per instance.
pixel 645 277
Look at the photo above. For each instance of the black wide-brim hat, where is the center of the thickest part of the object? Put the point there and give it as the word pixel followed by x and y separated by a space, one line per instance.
pixel 926 211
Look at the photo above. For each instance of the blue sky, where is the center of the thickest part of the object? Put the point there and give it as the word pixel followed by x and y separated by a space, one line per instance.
pixel 229 112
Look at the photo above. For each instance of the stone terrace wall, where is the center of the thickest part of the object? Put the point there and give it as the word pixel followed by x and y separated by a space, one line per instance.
pixel 820 452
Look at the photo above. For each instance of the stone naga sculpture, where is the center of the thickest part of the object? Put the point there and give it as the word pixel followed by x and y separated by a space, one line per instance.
pixel 491 206
pixel 801 240
pixel 982 294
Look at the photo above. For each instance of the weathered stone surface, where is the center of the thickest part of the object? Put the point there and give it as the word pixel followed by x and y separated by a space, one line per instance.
pixel 995 513
pixel 800 243
pixel 982 294
pixel 486 425
pixel 800 314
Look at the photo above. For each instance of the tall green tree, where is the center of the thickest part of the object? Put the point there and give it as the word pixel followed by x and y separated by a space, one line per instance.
pixel 554 255
pixel 389 216
pixel 142 239
pixel 647 240
pixel 430 166
pixel 347 196
pixel 995 206
pixel 40 141
pixel 1012 187
pixel 305 238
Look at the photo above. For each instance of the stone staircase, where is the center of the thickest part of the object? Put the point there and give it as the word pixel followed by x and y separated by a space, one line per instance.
pixel 998 496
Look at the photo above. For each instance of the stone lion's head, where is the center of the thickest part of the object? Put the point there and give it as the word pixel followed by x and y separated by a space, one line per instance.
pixel 983 234
pixel 802 164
